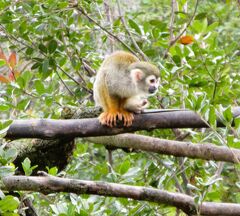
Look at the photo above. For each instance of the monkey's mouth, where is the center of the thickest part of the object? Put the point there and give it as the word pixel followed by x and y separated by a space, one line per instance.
pixel 152 89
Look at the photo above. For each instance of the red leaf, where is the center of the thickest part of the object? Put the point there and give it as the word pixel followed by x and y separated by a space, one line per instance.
pixel 4 79
pixel 11 76
pixel 12 60
pixel 185 40
pixel 2 56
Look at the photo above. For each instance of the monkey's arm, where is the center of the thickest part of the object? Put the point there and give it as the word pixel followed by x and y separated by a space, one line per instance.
pixel 136 104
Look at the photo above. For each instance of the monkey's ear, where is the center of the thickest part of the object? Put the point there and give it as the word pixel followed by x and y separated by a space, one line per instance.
pixel 136 75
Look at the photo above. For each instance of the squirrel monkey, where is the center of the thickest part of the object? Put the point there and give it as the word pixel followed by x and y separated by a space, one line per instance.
pixel 122 86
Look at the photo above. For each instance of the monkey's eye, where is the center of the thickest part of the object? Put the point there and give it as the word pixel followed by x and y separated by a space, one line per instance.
pixel 152 80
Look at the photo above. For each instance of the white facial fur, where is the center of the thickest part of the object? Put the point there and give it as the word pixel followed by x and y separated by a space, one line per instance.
pixel 152 81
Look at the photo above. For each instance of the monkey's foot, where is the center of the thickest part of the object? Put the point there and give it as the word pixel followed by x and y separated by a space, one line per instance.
pixel 127 118
pixel 110 118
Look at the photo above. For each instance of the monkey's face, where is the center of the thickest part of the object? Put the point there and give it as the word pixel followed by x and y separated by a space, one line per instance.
pixel 145 77
pixel 152 84
pixel 148 85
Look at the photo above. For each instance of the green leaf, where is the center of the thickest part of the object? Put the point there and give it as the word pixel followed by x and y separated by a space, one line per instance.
pixel 212 119
pixel 27 75
pixel 52 46
pixel 227 114
pixel 53 171
pixel 199 25
pixel 237 122
pixel 11 154
pixel 9 204
pixel 230 140
pixel 201 16
pixel 45 65
pixel 4 125
pixel 36 65
pixel 4 107
pixel 39 87
pixel 21 82
pixel 26 164
pixel 125 167
pixel 134 25
pixel 42 48
pixel 155 22
pixel 212 26
pixel 2 62
pixel 29 51
pixel 177 60
pixel 5 170
pixel 23 104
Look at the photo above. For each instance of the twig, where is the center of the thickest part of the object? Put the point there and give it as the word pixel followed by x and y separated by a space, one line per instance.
pixel 109 20
pixel 81 11
pixel 177 183
pixel 173 7
pixel 172 42
pixel 70 91
pixel 187 25
pixel 88 68
pixel 130 34
pixel 30 46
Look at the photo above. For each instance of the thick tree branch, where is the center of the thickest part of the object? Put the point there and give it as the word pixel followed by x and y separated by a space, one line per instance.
pixel 70 128
pixel 204 151
pixel 51 184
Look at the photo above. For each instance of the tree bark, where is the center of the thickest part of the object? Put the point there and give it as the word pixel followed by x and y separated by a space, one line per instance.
pixel 70 128
pixel 205 151
pixel 51 184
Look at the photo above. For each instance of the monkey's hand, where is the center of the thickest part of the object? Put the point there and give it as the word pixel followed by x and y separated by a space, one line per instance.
pixel 140 107
pixel 109 118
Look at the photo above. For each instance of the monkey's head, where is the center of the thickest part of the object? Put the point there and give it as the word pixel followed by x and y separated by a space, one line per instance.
pixel 145 76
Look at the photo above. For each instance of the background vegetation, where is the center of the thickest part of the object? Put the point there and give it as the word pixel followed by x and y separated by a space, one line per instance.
pixel 50 52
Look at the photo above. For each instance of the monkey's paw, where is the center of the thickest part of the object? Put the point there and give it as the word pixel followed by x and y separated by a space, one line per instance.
pixel 110 118
pixel 127 118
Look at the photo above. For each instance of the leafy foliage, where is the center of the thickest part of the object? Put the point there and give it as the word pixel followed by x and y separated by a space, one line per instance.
pixel 55 50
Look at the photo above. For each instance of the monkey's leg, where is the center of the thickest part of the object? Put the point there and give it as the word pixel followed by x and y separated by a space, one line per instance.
pixel 111 112
pixel 126 115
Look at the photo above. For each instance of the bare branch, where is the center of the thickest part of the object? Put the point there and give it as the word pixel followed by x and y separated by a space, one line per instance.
pixel 204 151
pixel 51 184
pixel 130 34
pixel 172 42
pixel 81 11
pixel 173 9
pixel 70 128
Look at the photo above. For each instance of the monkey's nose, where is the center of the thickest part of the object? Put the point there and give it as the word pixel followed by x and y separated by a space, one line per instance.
pixel 152 89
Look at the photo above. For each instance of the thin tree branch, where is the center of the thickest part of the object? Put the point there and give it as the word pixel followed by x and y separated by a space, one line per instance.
pixel 51 184
pixel 65 85
pixel 129 33
pixel 169 167
pixel 187 25
pixel 172 42
pixel 173 8
pixel 81 11
pixel 32 46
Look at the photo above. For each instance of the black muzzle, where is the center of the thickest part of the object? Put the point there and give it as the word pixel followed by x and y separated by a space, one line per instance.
pixel 152 89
